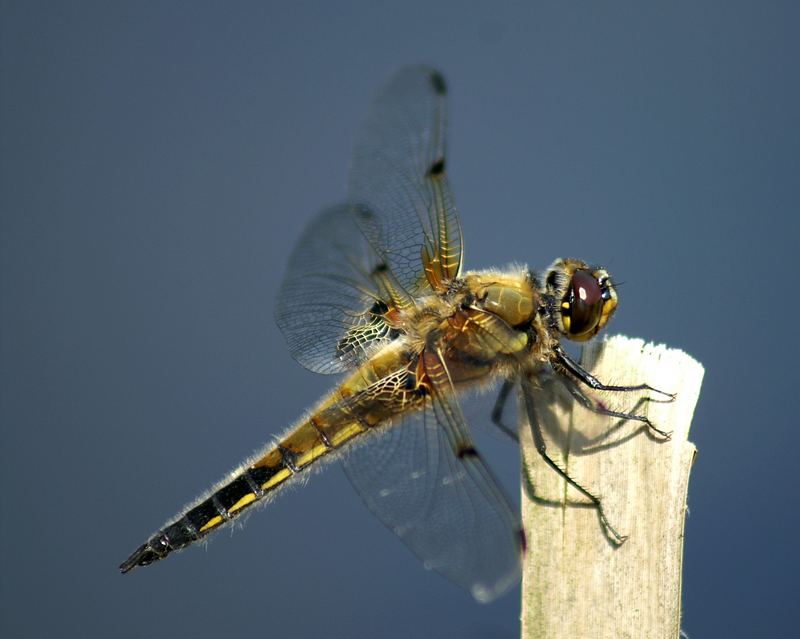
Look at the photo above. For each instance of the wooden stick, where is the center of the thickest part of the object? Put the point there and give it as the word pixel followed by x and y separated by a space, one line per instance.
pixel 576 583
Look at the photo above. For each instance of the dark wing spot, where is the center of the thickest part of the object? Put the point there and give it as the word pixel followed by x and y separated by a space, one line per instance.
pixel 438 83
pixel 363 212
pixel 437 168
pixel 467 451
pixel 379 307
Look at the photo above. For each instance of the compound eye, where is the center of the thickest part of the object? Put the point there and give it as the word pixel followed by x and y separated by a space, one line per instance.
pixel 585 299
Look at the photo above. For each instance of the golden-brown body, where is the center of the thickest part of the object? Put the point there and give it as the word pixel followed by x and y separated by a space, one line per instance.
pixel 473 329
pixel 375 289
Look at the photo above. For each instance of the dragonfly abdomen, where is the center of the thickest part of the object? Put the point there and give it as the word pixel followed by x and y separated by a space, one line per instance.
pixel 313 439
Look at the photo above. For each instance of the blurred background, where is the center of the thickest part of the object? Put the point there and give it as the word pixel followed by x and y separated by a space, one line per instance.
pixel 158 161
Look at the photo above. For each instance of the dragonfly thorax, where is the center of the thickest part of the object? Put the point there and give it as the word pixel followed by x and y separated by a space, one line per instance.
pixel 510 296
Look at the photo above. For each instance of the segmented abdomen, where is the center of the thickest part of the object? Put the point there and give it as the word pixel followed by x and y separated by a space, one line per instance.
pixel 363 402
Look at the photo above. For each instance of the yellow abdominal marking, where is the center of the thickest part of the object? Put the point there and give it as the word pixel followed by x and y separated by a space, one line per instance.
pixel 214 521
pixel 277 478
pixel 311 455
pixel 244 501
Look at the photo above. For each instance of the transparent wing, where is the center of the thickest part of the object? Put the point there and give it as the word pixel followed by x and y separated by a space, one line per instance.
pixel 398 172
pixel 399 238
pixel 331 302
pixel 442 503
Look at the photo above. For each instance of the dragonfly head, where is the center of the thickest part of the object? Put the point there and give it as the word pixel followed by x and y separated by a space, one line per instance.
pixel 584 298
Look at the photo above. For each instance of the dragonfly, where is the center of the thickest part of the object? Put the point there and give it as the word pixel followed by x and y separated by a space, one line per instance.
pixel 375 290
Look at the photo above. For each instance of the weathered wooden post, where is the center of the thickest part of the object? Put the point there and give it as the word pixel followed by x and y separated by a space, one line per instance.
pixel 576 583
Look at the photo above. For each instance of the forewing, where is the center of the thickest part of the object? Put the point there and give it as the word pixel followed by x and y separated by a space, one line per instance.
pixel 398 172
pixel 444 505
pixel 329 302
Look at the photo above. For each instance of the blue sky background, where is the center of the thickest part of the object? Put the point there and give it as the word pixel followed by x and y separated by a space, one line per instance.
pixel 158 161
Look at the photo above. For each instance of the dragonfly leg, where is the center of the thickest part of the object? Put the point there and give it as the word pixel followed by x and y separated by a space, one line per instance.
pixel 530 492
pixel 596 406
pixel 499 405
pixel 590 380
pixel 541 447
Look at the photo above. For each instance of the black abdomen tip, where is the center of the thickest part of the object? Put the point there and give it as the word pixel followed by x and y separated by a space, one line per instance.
pixel 142 556
pixel 156 548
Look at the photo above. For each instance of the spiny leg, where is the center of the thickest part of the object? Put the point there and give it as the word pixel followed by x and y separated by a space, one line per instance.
pixel 530 493
pixel 596 406
pixel 499 405
pixel 590 380
pixel 541 447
